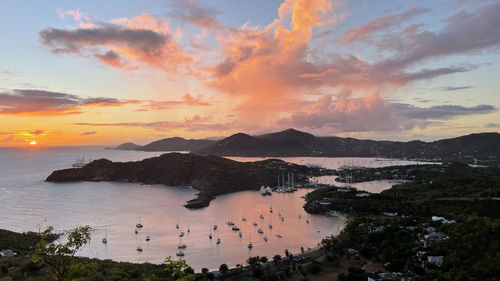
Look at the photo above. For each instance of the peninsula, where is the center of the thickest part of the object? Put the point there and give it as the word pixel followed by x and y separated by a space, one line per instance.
pixel 210 175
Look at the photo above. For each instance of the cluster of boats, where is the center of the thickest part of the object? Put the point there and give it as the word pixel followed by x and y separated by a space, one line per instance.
pixel 285 187
pixel 182 246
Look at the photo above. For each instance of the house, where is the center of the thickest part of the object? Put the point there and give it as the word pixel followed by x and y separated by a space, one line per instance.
pixel 362 194
pixel 437 260
pixel 7 253
pixel 443 220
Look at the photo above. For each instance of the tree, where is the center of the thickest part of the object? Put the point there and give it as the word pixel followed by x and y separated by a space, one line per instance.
pixel 253 261
pixel 263 259
pixel 176 270
pixel 223 268
pixel 276 259
pixel 57 256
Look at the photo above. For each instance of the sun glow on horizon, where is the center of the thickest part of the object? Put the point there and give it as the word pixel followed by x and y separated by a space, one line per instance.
pixel 33 142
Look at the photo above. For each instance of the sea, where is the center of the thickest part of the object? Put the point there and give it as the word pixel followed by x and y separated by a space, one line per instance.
pixel 28 203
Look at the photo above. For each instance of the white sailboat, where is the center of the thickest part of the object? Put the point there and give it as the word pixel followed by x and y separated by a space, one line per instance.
pixel 263 191
pixel 268 190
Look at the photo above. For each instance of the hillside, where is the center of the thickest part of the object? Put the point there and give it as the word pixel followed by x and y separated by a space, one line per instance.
pixel 480 148
pixel 211 175
pixel 168 144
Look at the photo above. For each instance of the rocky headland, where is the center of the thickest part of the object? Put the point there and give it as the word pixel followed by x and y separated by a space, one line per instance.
pixel 210 175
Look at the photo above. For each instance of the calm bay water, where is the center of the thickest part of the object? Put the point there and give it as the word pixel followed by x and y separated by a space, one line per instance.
pixel 27 203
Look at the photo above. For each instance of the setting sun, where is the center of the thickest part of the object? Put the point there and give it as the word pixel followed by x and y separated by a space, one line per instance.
pixel 32 142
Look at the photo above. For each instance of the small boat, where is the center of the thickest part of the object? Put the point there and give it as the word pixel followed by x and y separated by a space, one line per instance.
pixel 263 191
pixel 218 241
pixel 254 224
pixel 189 229
pixel 268 190
pixel 250 245
pixel 239 234
pixel 148 238
pixel 278 235
pixel 279 214
pixel 271 209
pixel 235 228
pixel 282 218
pixel 182 246
pixel 244 219
pixel 265 239
pixel 210 236
pixel 260 231
pixel 105 239
pixel 270 225
pixel 230 223
pixel 139 249
pixel 215 227
pixel 261 217
pixel 139 225
pixel 300 216
pixel 307 221
pixel 180 254
pixel 182 234
pixel 177 226
pixel 136 232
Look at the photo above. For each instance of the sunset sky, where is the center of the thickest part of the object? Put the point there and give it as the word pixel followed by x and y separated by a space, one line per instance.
pixel 106 72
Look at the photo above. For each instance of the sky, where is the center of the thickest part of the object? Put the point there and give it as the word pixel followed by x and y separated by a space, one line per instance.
pixel 107 72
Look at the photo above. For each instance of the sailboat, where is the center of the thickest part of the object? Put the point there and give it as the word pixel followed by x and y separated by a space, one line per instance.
pixel 179 254
pixel 271 209
pixel 250 245
pixel 136 231
pixel 80 162
pixel 148 237
pixel 279 231
pixel 139 249
pixel 139 225
pixel 265 238
pixel 263 191
pixel 218 241
pixel 105 239
pixel 210 235
pixel 268 190
pixel 239 234
pixel 254 224
pixel 260 231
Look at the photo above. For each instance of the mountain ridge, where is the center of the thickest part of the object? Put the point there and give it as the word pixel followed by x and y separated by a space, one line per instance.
pixel 478 148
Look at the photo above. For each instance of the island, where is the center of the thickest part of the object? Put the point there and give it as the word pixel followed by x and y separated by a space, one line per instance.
pixel 210 175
